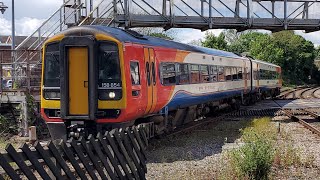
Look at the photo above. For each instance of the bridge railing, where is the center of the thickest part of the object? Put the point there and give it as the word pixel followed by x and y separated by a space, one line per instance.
pixel 226 14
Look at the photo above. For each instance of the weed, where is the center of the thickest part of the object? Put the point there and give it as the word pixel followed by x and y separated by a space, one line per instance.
pixel 254 159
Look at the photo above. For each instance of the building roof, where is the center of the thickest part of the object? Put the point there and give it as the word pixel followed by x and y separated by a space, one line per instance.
pixel 7 41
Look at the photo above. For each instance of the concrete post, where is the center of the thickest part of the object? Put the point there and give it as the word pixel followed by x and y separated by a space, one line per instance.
pixel 32 134
pixel 24 119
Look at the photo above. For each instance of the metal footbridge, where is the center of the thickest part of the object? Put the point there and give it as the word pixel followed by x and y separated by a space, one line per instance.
pixel 274 15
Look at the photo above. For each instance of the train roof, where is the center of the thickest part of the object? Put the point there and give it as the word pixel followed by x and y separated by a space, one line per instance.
pixel 264 62
pixel 134 37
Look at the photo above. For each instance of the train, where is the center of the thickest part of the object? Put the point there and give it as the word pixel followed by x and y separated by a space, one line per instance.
pixel 95 78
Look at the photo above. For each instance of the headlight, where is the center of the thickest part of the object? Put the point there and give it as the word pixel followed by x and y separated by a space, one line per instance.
pixel 112 95
pixel 52 95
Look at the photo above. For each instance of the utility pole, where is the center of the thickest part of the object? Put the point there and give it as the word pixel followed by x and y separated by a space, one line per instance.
pixel 13 28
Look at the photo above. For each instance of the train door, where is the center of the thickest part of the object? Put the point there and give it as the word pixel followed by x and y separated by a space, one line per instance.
pixel 151 75
pixel 78 80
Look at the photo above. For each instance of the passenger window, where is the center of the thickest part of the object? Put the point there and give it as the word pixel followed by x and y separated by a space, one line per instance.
pixel 183 73
pixel 205 74
pixel 195 75
pixel 262 74
pixel 228 73
pixel 135 73
pixel 213 73
pixel 221 75
pixel 234 74
pixel 168 74
pixel 240 74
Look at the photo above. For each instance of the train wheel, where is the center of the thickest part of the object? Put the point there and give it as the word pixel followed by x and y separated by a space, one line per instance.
pixel 236 105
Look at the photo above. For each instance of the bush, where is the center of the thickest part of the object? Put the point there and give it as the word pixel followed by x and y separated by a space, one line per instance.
pixel 254 159
pixel 7 126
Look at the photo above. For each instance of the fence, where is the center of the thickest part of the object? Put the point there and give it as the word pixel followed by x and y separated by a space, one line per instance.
pixel 25 75
pixel 118 154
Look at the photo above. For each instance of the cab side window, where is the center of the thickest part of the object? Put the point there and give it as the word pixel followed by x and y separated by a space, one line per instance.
pixel 135 73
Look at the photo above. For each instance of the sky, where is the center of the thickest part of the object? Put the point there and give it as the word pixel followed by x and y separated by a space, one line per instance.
pixel 30 14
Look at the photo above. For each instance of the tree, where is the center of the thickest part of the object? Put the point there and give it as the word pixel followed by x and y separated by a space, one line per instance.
pixel 211 41
pixel 161 35
pixel 290 51
pixel 232 35
pixel 156 32
pixel 244 42
pixel 263 48
pixel 318 52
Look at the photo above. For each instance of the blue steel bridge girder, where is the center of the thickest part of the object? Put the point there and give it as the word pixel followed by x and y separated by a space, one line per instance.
pixel 274 15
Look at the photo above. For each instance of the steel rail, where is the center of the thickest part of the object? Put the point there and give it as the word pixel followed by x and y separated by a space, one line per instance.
pixel 301 121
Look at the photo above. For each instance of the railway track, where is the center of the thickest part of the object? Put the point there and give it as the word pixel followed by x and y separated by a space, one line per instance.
pixel 306 123
pixel 286 94
pixel 300 93
pixel 316 93
pixel 300 115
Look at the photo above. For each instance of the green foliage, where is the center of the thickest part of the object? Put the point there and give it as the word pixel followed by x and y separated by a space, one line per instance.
pixel 7 126
pixel 161 35
pixel 31 108
pixel 318 52
pixel 244 43
pixel 156 32
pixel 211 41
pixel 290 51
pixel 262 49
pixel 254 159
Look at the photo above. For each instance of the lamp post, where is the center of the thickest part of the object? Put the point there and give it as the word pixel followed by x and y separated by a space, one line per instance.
pixel 3 7
pixel 13 37
pixel 13 46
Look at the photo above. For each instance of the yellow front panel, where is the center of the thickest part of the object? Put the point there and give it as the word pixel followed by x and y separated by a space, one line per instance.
pixel 78 81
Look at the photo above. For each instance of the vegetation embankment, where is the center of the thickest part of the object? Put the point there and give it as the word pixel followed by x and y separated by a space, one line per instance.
pixel 232 149
pixel 265 152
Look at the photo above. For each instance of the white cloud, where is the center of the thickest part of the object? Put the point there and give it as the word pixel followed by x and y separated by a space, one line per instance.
pixel 24 26
pixel 313 37
pixel 5 27
pixel 188 35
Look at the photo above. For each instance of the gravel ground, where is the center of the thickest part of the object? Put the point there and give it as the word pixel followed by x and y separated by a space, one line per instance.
pixel 199 154
pixel 196 155
pixel 317 93
pixel 308 145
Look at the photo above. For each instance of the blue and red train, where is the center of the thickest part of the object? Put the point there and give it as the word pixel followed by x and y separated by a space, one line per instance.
pixel 96 78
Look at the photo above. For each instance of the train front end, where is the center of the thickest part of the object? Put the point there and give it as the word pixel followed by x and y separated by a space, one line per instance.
pixel 83 84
